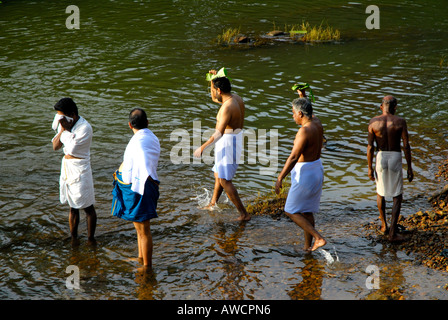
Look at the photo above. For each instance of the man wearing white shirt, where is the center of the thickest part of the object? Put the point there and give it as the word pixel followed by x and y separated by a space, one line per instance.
pixel 76 181
pixel 136 185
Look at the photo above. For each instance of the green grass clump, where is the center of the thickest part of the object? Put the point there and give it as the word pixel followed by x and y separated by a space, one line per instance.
pixel 270 204
pixel 228 35
pixel 319 33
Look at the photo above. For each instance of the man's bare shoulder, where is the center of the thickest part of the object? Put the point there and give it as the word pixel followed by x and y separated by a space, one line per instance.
pixel 376 119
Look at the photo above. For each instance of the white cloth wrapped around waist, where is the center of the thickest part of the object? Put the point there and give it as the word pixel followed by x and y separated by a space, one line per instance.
pixel 228 150
pixel 76 183
pixel 306 187
pixel 389 173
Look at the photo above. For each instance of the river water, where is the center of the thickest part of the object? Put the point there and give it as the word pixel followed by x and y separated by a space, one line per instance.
pixel 154 54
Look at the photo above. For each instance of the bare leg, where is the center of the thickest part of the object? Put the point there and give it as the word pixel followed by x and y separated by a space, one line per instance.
pixel 73 220
pixel 232 193
pixel 394 220
pixel 381 203
pixel 307 227
pixel 217 191
pixel 308 237
pixel 144 239
pixel 91 223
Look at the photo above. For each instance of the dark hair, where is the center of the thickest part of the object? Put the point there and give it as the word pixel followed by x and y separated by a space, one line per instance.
pixel 222 83
pixel 138 118
pixel 67 106
pixel 389 102
pixel 303 105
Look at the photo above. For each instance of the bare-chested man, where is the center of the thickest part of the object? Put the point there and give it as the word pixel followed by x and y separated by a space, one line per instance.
pixel 387 130
pixel 228 140
pixel 307 173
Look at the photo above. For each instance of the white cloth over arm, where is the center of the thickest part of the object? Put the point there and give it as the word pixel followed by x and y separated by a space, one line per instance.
pixel 77 142
pixel 140 159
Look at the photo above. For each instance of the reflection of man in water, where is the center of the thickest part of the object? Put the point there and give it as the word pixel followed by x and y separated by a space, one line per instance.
pixel 387 130
pixel 228 140
pixel 307 173
pixel 76 181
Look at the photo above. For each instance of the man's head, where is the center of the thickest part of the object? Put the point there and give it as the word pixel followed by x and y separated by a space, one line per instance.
pixel 389 104
pixel 222 86
pixel 138 119
pixel 302 107
pixel 67 106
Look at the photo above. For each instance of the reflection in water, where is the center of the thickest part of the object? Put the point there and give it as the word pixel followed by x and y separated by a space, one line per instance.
pixel 310 288
pixel 232 266
pixel 147 288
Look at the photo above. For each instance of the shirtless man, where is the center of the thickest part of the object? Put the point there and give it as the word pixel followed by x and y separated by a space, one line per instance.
pixel 307 173
pixel 387 130
pixel 228 134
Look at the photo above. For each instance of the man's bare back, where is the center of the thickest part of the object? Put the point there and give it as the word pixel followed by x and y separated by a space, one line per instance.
pixel 235 109
pixel 312 135
pixel 387 130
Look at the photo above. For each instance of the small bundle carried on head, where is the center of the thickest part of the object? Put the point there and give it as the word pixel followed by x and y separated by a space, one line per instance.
pixel 303 86
pixel 221 73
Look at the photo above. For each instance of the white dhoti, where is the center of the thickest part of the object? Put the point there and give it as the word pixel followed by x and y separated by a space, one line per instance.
pixel 307 179
pixel 76 183
pixel 389 174
pixel 228 151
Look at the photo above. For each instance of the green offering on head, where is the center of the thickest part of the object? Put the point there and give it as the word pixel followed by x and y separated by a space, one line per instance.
pixel 221 73
pixel 303 86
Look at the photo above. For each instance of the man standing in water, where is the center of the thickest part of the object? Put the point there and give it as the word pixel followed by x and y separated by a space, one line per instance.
pixel 136 185
pixel 228 140
pixel 307 173
pixel 387 130
pixel 76 181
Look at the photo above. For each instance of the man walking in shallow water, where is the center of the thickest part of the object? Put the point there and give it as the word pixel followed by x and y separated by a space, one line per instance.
pixel 307 173
pixel 228 141
pixel 387 130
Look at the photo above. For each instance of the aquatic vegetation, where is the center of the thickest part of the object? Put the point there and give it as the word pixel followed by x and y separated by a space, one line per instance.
pixel 270 204
pixel 228 35
pixel 442 62
pixel 302 32
pixel 319 33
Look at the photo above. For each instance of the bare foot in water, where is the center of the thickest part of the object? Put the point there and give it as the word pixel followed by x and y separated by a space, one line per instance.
pixel 318 243
pixel 209 207
pixel 396 238
pixel 244 217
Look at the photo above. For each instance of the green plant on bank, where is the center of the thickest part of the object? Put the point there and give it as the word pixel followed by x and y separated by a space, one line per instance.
pixel 228 35
pixel 271 204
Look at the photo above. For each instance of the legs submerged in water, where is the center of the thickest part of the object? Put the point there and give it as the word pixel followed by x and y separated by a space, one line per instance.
pixel 393 236
pixel 306 222
pixel 145 245
pixel 217 191
pixel 227 186
pixel 73 219
pixel 396 208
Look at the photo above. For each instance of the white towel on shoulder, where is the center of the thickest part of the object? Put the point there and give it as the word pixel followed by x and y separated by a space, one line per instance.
pixel 140 159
